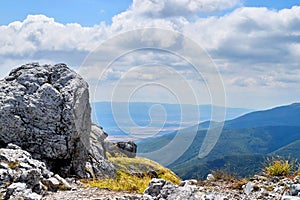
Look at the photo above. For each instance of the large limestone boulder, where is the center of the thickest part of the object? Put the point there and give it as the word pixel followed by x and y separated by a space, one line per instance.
pixel 45 110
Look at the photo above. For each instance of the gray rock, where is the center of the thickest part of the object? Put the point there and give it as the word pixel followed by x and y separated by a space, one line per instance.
pixel 295 190
pixel 129 148
pixel 19 191
pixel 15 190
pixel 21 176
pixel 121 149
pixel 98 164
pixel 161 189
pixel 65 185
pixel 210 177
pixel 52 183
pixel 188 182
pixel 45 110
pixel 155 186
pixel 248 188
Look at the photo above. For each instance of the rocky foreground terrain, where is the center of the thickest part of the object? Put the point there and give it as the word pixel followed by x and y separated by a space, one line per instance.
pixel 22 176
pixel 48 147
pixel 259 187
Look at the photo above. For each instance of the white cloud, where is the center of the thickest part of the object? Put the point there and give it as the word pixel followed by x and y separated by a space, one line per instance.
pixel 40 33
pixel 252 47
pixel 177 8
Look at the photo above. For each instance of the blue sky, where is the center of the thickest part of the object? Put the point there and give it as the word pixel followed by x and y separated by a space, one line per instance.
pixel 84 12
pixel 91 12
pixel 276 4
pixel 255 44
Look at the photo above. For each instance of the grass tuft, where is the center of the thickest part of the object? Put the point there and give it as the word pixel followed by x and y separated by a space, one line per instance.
pixel 278 167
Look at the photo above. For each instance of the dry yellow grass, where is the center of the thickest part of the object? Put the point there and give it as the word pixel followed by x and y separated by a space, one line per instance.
pixel 125 181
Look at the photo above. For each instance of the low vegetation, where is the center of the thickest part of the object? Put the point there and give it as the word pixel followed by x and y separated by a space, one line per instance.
pixel 133 175
pixel 122 182
pixel 279 166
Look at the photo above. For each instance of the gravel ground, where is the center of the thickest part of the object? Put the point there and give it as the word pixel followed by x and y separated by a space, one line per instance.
pixel 89 194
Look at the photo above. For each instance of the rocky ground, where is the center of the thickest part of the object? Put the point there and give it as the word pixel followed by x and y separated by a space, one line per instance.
pixel 258 187
pixel 90 194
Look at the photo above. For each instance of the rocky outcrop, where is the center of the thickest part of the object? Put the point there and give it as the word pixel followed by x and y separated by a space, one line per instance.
pixel 46 111
pixel 129 148
pixel 122 149
pixel 22 177
pixel 98 165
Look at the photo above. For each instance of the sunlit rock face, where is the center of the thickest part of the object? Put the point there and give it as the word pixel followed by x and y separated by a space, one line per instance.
pixel 45 110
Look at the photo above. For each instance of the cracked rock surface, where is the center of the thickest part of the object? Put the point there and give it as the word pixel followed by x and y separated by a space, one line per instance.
pixel 45 110
pixel 22 177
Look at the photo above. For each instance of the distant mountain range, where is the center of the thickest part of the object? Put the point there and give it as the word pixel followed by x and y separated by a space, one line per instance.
pixel 243 145
pixel 151 119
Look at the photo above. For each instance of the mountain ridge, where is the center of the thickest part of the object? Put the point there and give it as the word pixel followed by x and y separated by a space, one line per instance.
pixel 148 117
pixel 261 133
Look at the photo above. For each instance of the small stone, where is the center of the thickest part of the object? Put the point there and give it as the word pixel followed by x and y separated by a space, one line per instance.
pixel 248 188
pixel 295 190
pixel 188 182
pixel 64 184
pixel 155 187
pixel 52 183
pixel 210 177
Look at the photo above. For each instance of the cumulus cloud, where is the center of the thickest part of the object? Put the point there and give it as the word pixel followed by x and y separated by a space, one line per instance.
pixel 252 47
pixel 39 37
pixel 176 8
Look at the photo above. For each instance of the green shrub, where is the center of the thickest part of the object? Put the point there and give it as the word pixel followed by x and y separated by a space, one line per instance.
pixel 278 167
